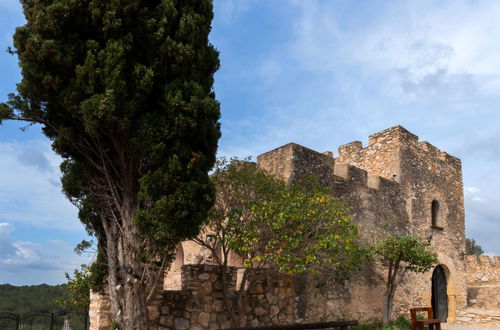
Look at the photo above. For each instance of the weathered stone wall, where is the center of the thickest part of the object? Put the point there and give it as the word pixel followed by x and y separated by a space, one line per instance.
pixel 483 270
pixel 425 174
pixel 483 282
pixel 199 304
pixel 99 312
pixel 483 292
pixel 392 182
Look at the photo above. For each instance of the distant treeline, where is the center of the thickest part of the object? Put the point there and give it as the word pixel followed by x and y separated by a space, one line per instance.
pixel 22 299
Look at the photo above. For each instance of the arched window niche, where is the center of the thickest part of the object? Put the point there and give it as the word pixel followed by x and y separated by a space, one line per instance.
pixel 436 221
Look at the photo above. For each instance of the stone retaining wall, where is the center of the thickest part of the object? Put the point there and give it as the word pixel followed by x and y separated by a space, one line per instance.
pixel 200 303
pixel 483 292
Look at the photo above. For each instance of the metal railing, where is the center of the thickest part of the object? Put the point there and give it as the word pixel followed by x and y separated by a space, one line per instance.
pixel 44 320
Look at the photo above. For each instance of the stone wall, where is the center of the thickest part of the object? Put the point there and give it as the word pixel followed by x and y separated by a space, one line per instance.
pixel 483 270
pixel 391 183
pixel 99 312
pixel 425 174
pixel 199 304
pixel 483 292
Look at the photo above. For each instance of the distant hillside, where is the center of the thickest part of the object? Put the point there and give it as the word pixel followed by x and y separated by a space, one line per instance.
pixel 22 299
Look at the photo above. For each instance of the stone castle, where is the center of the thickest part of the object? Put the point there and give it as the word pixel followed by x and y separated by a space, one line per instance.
pixel 398 182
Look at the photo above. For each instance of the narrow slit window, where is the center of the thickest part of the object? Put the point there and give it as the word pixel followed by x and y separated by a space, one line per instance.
pixel 435 213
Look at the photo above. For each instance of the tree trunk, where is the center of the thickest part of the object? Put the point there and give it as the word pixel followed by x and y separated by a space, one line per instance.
pixel 114 283
pixel 126 287
pixel 247 281
pixel 227 300
pixel 388 300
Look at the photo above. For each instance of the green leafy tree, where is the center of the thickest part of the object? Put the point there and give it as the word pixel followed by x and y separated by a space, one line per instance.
pixel 294 229
pixel 401 254
pixel 87 278
pixel 78 289
pixel 23 299
pixel 123 88
pixel 472 248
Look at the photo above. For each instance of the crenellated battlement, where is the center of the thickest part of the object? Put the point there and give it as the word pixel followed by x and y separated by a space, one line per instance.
pixel 483 262
pixel 292 161
pixel 352 147
pixel 483 270
pixel 437 154
pixel 353 174
pixel 394 152
pixel 395 133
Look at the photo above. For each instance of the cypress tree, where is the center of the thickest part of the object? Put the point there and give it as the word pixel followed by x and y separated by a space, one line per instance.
pixel 123 89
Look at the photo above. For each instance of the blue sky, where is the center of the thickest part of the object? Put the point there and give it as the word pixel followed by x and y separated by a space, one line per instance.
pixel 319 73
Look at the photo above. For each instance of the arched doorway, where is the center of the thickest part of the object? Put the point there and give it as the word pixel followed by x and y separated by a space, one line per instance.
pixel 173 277
pixel 439 294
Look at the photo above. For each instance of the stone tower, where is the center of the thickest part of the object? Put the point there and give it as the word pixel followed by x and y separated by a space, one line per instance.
pixel 396 181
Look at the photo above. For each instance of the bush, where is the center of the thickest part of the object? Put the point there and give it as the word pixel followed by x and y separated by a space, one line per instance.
pixel 402 322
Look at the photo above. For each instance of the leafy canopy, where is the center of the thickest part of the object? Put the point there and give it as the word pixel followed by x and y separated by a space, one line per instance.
pixel 124 90
pixel 401 254
pixel 296 228
pixel 87 278
pixel 23 299
pixel 407 252
pixel 472 248
pixel 302 229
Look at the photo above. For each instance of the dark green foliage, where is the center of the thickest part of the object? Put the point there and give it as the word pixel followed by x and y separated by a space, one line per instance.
pixel 402 323
pixel 369 326
pixel 135 79
pixel 22 299
pixel 123 88
pixel 472 248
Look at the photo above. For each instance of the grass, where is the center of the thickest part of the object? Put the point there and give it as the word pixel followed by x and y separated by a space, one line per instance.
pixel 400 323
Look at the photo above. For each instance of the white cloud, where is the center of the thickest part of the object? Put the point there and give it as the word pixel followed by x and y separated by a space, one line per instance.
pixel 482 215
pixel 453 45
pixel 5 229
pixel 25 254
pixel 24 262
pixel 477 199
pixel 471 190
pixel 30 191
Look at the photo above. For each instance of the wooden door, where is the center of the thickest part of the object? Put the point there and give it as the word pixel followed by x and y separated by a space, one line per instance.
pixel 439 294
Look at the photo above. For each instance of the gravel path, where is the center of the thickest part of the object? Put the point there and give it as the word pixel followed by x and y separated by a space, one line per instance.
pixel 466 327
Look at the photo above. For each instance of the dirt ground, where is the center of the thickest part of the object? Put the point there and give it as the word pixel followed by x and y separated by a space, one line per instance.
pixel 468 327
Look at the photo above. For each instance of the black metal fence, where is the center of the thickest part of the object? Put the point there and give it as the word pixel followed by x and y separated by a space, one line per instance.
pixel 43 320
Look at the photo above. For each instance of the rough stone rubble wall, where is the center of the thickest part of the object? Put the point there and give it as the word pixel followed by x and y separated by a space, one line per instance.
pixel 483 292
pixel 392 183
pixel 200 303
pixel 99 312
pixel 424 173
